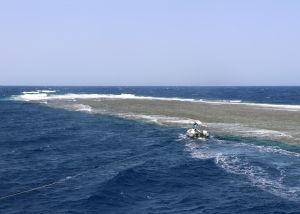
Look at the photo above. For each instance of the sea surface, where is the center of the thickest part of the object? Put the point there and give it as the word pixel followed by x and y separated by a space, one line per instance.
pixel 125 150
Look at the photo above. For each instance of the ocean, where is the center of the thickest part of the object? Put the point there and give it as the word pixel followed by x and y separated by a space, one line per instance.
pixel 125 150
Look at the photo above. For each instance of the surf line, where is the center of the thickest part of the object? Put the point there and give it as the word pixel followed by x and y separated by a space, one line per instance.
pixel 79 174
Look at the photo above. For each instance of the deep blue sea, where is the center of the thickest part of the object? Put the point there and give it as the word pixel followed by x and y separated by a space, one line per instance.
pixel 61 152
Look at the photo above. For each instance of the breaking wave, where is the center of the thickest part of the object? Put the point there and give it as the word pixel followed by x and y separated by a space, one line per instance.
pixel 49 94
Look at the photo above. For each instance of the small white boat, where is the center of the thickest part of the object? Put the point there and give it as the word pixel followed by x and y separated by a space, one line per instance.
pixel 197 133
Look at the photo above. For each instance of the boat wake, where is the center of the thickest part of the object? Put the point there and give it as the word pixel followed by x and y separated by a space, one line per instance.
pixel 266 167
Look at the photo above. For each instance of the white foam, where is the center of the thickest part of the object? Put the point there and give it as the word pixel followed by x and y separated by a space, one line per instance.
pixel 30 92
pixel 81 107
pixel 77 107
pixel 97 96
pixel 133 96
pixel 32 96
pixel 47 91
pixel 159 119
pixel 235 164
pixel 201 152
pixel 38 91
pixel 259 177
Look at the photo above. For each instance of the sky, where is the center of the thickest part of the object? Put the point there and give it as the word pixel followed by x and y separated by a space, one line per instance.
pixel 150 42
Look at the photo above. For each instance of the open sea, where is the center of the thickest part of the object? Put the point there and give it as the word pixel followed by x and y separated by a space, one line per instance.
pixel 125 150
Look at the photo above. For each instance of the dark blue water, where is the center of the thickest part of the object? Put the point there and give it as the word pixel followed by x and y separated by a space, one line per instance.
pixel 59 161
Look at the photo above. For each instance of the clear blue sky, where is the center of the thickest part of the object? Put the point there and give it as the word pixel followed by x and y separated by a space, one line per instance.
pixel 150 42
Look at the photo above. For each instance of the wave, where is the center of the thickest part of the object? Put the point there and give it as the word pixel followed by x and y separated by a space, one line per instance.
pixel 39 91
pixel 48 95
pixel 28 96
pixel 81 107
